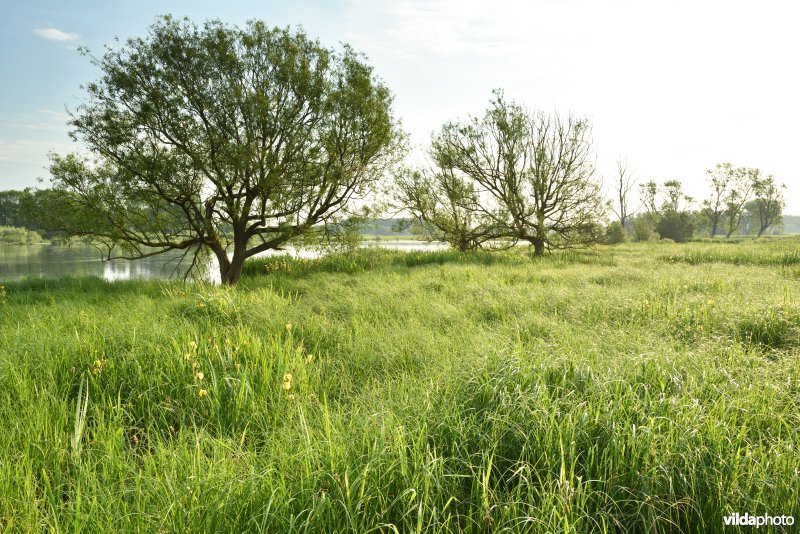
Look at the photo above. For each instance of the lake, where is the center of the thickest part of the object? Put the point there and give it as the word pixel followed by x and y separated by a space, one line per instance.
pixel 53 261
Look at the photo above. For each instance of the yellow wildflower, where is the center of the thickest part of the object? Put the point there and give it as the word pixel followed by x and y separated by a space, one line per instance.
pixel 199 376
pixel 287 382
pixel 202 393
pixel 289 327
pixel 710 302
pixel 193 345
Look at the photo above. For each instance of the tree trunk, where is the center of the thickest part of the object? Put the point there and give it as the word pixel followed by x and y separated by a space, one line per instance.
pixel 538 240
pixel 230 270
pixel 761 230
pixel 713 229
pixel 233 271
pixel 538 245
pixel 224 266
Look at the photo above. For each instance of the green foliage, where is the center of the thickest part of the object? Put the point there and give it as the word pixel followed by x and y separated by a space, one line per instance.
pixel 10 208
pixel 673 196
pixel 644 227
pixel 648 193
pixel 446 208
pixel 613 390
pixel 678 226
pixel 343 237
pixel 731 206
pixel 509 175
pixel 10 234
pixel 27 210
pixel 767 208
pixel 615 233
pixel 214 137
pixel 722 179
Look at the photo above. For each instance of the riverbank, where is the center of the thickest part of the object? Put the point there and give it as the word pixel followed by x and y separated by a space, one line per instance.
pixel 638 388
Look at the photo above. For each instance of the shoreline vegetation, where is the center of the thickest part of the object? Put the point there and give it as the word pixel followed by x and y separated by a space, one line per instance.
pixel 644 387
pixel 12 235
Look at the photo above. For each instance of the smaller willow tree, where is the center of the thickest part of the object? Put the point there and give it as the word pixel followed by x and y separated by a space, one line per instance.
pixel 445 207
pixel 767 208
pixel 720 179
pixel 528 174
pixel 220 138
pixel 737 196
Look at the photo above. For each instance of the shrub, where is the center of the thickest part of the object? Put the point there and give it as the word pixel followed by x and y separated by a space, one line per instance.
pixel 615 233
pixel 12 234
pixel 644 227
pixel 677 226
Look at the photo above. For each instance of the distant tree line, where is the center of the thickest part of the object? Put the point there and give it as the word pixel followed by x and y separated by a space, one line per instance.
pixel 742 201
pixel 21 209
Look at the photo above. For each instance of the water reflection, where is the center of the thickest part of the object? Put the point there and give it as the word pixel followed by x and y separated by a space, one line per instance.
pixel 407 245
pixel 53 261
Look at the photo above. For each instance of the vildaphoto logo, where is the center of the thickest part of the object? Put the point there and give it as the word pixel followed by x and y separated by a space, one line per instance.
pixel 747 520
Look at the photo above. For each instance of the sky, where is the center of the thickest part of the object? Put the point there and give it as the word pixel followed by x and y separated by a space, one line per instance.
pixel 673 87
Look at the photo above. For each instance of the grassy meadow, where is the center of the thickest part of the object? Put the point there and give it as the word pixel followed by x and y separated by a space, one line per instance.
pixel 637 388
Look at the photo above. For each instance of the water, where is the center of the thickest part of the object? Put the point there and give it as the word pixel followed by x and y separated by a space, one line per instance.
pixel 52 261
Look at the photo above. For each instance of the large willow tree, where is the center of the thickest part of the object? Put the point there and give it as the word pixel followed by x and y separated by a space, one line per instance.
pixel 220 138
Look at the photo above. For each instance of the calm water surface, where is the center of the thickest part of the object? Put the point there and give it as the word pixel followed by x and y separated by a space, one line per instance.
pixel 53 261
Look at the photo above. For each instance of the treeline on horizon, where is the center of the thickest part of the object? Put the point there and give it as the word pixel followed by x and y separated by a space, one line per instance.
pixel 19 223
pixel 742 201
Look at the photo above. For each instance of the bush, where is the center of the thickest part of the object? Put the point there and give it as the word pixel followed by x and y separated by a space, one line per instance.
pixel 12 234
pixel 677 226
pixel 615 233
pixel 644 227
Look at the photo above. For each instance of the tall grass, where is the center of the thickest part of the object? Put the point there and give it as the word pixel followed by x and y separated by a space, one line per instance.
pixel 605 390
pixel 781 251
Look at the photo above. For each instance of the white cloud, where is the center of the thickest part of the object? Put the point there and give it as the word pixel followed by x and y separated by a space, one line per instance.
pixel 30 151
pixel 56 35
pixel 43 119
pixel 675 88
pixel 444 28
